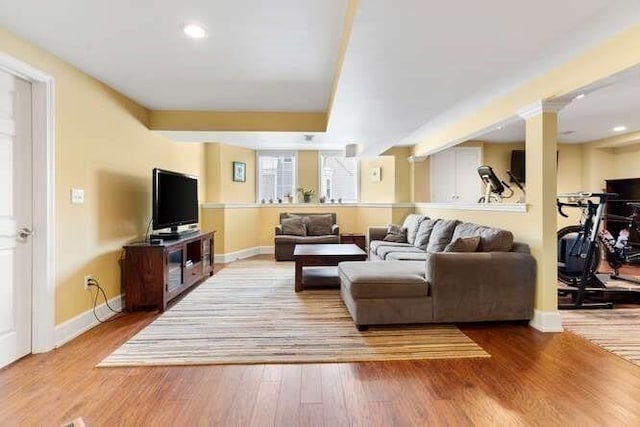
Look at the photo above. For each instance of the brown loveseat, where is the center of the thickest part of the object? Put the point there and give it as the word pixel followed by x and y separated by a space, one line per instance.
pixel 446 271
pixel 303 228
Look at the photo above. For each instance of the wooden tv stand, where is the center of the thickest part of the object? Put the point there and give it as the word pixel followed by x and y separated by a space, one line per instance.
pixel 155 274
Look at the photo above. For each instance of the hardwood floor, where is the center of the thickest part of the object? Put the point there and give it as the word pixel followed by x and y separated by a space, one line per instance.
pixel 531 379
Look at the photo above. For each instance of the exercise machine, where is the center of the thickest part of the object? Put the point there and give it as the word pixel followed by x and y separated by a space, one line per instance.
pixel 579 249
pixel 494 187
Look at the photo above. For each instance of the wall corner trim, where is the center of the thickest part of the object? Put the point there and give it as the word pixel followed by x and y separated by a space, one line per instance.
pixel 547 321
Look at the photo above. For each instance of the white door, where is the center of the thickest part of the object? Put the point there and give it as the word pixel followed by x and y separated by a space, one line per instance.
pixel 443 182
pixel 467 179
pixel 16 249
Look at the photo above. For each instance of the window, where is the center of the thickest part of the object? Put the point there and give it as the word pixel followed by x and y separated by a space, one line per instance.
pixel 276 175
pixel 338 176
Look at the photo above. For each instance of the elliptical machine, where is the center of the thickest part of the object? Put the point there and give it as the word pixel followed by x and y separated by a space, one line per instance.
pixel 495 188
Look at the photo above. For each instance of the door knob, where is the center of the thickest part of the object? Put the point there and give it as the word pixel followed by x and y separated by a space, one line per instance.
pixel 25 232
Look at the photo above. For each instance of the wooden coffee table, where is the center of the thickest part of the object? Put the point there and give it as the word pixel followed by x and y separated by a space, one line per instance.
pixel 323 255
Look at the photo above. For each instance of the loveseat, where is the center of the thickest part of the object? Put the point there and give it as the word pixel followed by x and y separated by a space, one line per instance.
pixel 445 271
pixel 301 229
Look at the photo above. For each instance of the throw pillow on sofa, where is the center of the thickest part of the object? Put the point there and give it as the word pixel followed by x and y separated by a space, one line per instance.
pixel 411 223
pixel 294 226
pixel 463 244
pixel 424 233
pixel 441 235
pixel 396 233
pixel 491 239
pixel 319 225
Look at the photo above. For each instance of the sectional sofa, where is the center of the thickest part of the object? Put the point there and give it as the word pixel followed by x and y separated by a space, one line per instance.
pixel 445 271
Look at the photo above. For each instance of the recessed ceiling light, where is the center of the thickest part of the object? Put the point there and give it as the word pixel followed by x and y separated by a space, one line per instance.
pixel 195 31
pixel 582 95
pixel 498 127
pixel 619 128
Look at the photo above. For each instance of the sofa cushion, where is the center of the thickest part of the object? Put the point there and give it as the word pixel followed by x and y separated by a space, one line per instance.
pixel 383 251
pixel 318 225
pixel 491 239
pixel 441 235
pixel 366 279
pixel 406 256
pixel 294 226
pixel 463 244
pixel 411 223
pixel 396 233
pixel 424 232
pixel 374 245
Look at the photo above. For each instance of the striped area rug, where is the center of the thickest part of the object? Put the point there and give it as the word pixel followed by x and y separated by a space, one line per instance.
pixel 249 313
pixel 617 331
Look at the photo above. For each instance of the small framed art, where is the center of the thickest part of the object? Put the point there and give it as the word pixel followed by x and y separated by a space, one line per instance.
pixel 239 172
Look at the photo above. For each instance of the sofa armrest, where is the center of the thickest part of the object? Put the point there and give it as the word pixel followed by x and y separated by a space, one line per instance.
pixel 278 229
pixel 481 285
pixel 335 229
pixel 376 233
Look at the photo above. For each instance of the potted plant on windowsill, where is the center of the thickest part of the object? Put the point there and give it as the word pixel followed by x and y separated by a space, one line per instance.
pixel 307 194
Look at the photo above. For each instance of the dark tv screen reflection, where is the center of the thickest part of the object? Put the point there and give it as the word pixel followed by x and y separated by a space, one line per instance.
pixel 175 199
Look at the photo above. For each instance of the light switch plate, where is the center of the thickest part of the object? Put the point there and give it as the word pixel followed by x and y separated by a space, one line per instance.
pixel 77 196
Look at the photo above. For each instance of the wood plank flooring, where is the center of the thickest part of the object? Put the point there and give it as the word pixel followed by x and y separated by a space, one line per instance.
pixel 531 379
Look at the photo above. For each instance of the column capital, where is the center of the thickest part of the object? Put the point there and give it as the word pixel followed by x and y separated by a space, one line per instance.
pixel 540 107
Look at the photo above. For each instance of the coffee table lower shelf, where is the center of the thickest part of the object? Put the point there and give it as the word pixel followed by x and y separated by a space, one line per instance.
pixel 316 265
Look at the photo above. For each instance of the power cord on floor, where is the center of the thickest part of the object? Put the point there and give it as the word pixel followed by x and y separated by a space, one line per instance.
pixel 96 284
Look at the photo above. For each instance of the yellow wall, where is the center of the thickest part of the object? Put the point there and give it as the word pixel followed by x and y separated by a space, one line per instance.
pixel 241 228
pixel 420 181
pixel 384 190
pixel 402 173
pixel 308 172
pixel 219 160
pixel 103 146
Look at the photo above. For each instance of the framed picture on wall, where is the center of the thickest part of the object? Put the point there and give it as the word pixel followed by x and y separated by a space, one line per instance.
pixel 239 172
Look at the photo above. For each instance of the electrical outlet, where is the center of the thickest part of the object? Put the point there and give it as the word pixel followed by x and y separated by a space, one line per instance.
pixel 86 281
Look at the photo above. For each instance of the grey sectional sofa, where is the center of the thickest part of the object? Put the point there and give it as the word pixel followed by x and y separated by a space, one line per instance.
pixel 435 276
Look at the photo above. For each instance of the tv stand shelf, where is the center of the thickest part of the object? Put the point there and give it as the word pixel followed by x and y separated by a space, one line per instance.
pixel 155 274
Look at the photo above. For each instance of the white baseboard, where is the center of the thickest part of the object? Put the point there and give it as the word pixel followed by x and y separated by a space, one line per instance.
pixel 244 253
pixel 546 321
pixel 68 330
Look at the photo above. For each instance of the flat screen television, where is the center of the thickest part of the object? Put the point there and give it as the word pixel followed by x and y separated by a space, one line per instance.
pixel 518 165
pixel 175 201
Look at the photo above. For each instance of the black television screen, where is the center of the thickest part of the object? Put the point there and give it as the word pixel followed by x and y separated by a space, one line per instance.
pixel 175 199
pixel 518 165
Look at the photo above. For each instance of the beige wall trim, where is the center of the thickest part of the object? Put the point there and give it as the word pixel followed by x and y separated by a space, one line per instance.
pixel 616 141
pixel 546 321
pixel 495 207
pixel 69 329
pixel 266 121
pixel 215 205
pixel 244 253
pixel 540 107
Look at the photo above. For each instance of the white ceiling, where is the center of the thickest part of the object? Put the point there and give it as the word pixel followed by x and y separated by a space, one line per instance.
pixel 614 101
pixel 410 66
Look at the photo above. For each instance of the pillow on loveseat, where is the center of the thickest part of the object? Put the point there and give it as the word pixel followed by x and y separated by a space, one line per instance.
pixel 294 226
pixel 319 225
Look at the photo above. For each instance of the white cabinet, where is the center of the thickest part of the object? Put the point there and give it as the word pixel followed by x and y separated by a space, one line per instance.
pixel 454 175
